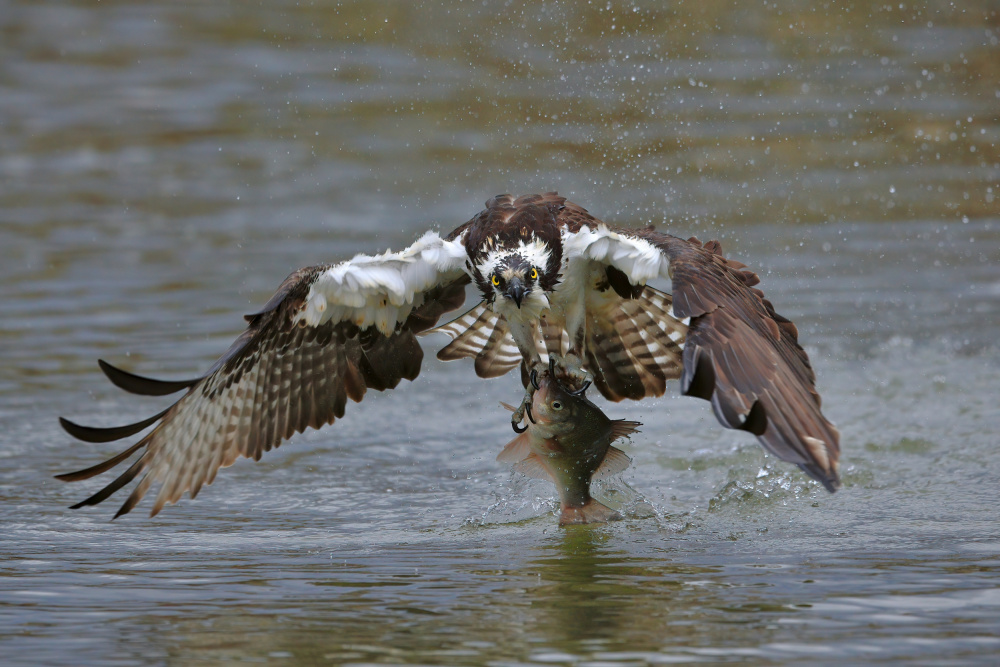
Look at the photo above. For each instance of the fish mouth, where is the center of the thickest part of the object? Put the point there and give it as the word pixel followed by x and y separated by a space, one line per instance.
pixel 531 417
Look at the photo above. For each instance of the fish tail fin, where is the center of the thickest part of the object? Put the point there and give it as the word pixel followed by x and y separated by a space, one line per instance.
pixel 591 512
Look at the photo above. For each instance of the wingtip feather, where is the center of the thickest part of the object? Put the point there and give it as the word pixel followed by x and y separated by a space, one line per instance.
pixel 87 473
pixel 143 386
pixel 97 434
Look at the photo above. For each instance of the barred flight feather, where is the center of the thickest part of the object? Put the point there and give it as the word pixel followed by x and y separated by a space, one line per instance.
pixel 555 340
pixel 637 348
pixel 277 379
pixel 483 335
pixel 332 332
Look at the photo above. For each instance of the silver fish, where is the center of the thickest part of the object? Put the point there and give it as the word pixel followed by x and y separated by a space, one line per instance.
pixel 568 441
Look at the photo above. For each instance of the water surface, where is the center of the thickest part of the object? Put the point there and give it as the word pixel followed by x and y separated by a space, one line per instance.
pixel 163 166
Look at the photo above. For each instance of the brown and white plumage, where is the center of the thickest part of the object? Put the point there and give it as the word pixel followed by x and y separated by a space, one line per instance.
pixel 302 356
pixel 555 282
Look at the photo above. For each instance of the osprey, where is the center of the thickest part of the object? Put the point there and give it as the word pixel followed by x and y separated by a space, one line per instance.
pixel 555 282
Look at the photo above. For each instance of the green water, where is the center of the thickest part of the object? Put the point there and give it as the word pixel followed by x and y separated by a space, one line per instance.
pixel 163 166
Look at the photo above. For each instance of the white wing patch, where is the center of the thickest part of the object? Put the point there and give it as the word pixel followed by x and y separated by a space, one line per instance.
pixel 381 290
pixel 639 259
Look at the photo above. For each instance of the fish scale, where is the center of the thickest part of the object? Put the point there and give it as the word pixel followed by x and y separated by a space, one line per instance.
pixel 568 442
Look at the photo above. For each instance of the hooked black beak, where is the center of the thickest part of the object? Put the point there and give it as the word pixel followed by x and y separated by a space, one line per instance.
pixel 515 290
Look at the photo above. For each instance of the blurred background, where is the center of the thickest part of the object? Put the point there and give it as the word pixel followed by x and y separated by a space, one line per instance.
pixel 164 165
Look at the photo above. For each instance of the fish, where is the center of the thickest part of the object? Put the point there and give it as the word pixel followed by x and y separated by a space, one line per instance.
pixel 567 440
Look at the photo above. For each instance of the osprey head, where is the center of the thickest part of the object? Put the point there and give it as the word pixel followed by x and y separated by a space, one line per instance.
pixel 513 278
pixel 516 273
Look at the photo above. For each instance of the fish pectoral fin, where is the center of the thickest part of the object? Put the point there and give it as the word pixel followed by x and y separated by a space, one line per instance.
pixel 621 428
pixel 534 467
pixel 508 406
pixel 615 461
pixel 516 450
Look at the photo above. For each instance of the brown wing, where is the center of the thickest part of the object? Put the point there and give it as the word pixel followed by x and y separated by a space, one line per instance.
pixel 633 345
pixel 506 217
pixel 480 334
pixel 277 379
pixel 745 358
pixel 501 208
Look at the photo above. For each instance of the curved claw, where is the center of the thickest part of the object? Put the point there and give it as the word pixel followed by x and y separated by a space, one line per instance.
pixel 531 417
pixel 552 366
pixel 534 379
pixel 579 392
pixel 518 429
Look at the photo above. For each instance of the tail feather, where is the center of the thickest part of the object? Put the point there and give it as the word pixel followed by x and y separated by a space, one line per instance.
pixel 480 334
pixel 633 346
pixel 615 375
pixel 464 330
pixel 144 386
pixel 633 350
pixel 554 339
pixel 500 354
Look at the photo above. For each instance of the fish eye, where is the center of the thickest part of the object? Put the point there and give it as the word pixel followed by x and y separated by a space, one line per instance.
pixel 496 280
pixel 534 273
pixel 556 405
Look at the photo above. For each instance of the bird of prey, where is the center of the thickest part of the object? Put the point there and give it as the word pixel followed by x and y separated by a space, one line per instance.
pixel 555 282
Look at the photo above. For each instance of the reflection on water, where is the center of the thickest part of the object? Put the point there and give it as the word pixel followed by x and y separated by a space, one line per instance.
pixel 164 166
pixel 607 595
pixel 579 598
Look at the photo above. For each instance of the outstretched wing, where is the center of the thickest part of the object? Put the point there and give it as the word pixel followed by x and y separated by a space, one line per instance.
pixel 738 352
pixel 328 334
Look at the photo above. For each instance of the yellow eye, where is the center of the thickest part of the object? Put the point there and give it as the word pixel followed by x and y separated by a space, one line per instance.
pixel 534 274
pixel 496 280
